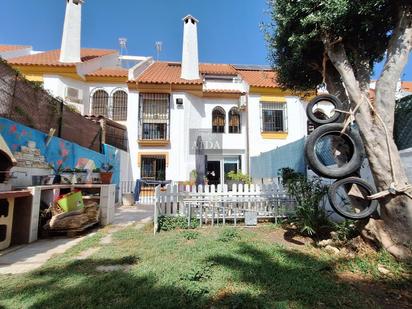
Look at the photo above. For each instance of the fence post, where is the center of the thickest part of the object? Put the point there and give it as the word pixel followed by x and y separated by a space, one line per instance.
pixel 156 210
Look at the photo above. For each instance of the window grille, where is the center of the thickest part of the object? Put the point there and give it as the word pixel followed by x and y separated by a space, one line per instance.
pixel 218 120
pixel 100 103
pixel 120 106
pixel 154 116
pixel 153 168
pixel 234 120
pixel 274 117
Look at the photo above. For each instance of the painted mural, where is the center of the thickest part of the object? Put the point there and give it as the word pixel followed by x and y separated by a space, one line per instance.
pixel 33 149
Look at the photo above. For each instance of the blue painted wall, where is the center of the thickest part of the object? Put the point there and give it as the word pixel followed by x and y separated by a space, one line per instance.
pixel 268 164
pixel 59 151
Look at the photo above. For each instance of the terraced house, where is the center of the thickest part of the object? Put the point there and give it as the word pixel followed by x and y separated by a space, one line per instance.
pixel 180 116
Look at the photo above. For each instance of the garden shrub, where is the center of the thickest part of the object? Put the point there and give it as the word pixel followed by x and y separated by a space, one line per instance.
pixel 189 235
pixel 310 217
pixel 346 230
pixel 228 234
pixel 168 223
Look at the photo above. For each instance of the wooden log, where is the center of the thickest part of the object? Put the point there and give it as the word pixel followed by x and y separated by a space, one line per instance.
pixel 75 219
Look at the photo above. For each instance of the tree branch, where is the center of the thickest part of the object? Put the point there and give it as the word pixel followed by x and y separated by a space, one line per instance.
pixel 399 47
pixel 337 55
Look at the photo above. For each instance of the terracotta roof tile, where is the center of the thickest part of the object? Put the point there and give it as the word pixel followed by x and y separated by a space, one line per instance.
pixel 8 48
pixel 407 86
pixel 217 69
pixel 223 91
pixel 165 73
pixel 169 73
pixel 263 78
pixel 51 58
pixel 110 72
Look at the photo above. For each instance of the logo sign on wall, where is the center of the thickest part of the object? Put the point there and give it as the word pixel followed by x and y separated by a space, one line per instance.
pixel 203 141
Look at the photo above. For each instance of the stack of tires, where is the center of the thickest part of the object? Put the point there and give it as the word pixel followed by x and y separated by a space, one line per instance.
pixel 334 154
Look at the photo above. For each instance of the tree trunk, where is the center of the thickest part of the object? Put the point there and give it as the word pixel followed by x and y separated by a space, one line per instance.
pixel 393 230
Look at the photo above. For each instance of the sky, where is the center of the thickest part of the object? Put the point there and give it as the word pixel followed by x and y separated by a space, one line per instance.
pixel 229 30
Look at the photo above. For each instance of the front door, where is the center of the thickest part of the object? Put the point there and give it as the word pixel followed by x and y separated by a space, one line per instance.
pixel 213 172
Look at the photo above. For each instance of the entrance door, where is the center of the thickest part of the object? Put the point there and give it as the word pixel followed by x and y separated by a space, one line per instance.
pixel 213 172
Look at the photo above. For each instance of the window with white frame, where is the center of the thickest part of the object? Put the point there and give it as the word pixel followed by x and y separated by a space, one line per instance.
pixel 100 103
pixel 218 120
pixel 119 109
pixel 154 114
pixel 274 117
pixel 113 107
pixel 234 120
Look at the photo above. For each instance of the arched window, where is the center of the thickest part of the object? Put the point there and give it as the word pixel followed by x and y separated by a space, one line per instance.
pixel 120 106
pixel 218 120
pixel 100 103
pixel 234 120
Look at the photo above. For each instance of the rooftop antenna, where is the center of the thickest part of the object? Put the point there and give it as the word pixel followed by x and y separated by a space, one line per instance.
pixel 159 48
pixel 123 48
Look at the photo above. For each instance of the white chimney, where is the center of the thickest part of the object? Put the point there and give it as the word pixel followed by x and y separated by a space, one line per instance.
pixel 71 45
pixel 190 57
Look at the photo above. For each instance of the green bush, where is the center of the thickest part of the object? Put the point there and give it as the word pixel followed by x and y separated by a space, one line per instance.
pixel 189 235
pixel 239 177
pixel 346 230
pixel 168 223
pixel 228 234
pixel 310 217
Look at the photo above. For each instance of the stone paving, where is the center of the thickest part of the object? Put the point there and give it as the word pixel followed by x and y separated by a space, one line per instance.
pixel 29 257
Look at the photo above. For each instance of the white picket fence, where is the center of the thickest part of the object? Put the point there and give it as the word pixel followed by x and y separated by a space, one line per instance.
pixel 216 204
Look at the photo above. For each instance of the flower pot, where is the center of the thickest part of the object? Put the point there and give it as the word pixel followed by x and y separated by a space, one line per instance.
pixel 96 177
pixel 66 177
pixel 106 177
pixel 81 177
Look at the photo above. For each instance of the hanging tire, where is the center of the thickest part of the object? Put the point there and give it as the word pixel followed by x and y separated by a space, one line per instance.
pixel 348 197
pixel 320 116
pixel 332 154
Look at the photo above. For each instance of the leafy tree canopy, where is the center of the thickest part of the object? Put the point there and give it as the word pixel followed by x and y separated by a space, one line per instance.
pixel 295 36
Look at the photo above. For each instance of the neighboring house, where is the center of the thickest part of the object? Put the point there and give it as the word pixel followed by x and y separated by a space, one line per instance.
pixel 180 117
pixel 403 89
pixel 13 51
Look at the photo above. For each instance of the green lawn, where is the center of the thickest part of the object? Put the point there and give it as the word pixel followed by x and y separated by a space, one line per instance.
pixel 207 268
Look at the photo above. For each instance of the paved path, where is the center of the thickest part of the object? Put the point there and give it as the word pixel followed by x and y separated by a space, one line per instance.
pixel 29 257
pixel 129 215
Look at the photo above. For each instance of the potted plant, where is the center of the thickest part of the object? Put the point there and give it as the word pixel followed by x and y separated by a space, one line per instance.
pixel 237 178
pixel 96 175
pixel 106 173
pixel 193 177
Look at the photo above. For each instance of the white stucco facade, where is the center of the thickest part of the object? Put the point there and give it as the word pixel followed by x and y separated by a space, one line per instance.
pixel 196 113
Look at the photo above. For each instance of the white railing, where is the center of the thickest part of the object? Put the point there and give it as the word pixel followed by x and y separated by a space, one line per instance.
pixel 214 204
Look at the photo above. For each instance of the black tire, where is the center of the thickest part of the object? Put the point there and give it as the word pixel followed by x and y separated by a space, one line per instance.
pixel 334 195
pixel 351 140
pixel 336 117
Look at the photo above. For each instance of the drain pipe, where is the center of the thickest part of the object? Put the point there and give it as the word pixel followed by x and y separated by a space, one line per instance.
pixel 247 135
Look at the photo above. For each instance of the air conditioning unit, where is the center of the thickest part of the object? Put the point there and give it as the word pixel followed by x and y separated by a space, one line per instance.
pixel 74 95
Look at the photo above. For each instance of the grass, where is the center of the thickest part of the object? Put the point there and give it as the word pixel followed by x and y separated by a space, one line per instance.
pixel 220 268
